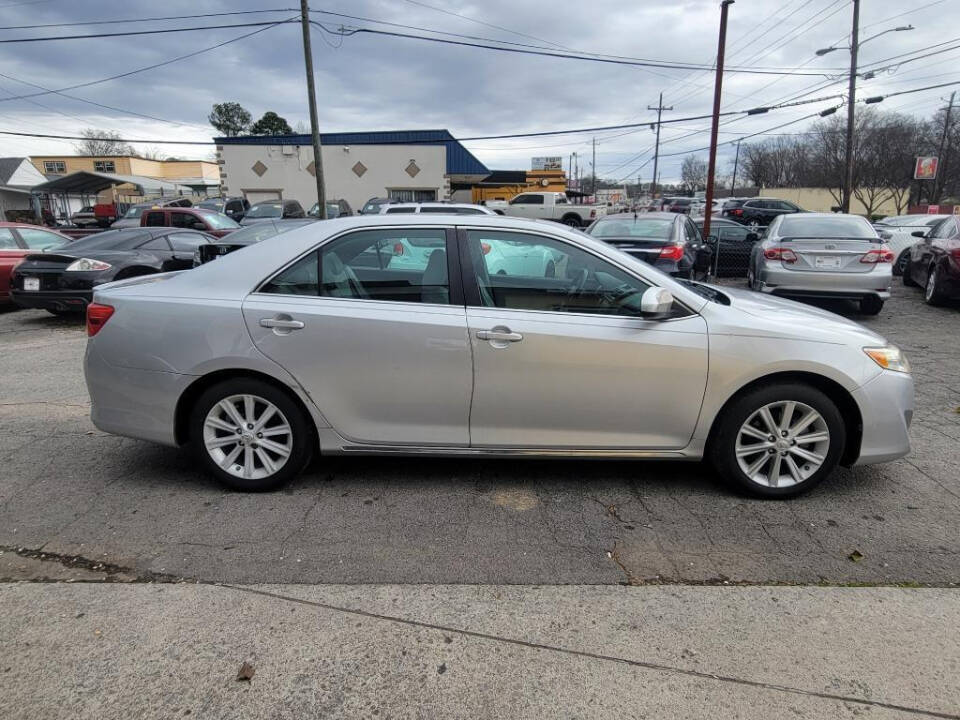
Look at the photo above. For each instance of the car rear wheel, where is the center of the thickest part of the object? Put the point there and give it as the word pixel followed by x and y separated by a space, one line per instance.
pixel 778 441
pixel 908 280
pixel 250 435
pixel 571 221
pixel 932 292
pixel 871 305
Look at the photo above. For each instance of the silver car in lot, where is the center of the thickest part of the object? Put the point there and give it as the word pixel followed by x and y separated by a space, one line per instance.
pixel 310 344
pixel 823 255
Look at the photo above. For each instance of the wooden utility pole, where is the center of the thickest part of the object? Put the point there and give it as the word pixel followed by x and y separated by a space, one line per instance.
pixel 715 123
pixel 851 108
pixel 736 161
pixel 656 152
pixel 941 155
pixel 593 171
pixel 312 100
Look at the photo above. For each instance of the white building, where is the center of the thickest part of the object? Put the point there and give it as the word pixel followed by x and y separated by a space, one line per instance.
pixel 17 176
pixel 409 165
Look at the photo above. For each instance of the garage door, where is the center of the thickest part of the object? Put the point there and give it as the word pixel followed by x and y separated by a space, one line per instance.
pixel 258 196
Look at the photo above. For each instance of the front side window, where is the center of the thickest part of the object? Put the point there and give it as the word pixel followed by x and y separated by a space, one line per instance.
pixel 182 220
pixel 155 219
pixel 400 265
pixel 531 272
pixel 40 239
pixel 104 166
pixel 527 200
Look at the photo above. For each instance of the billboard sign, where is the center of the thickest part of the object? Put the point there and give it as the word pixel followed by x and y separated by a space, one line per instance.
pixel 926 168
pixel 547 163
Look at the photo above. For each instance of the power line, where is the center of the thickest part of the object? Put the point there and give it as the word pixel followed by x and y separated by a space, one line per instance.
pixel 135 32
pixel 146 19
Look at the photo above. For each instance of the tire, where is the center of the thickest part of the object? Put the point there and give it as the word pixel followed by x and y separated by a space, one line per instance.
pixel 871 305
pixel 932 291
pixel 571 221
pixel 254 475
pixel 746 409
pixel 908 280
pixel 901 263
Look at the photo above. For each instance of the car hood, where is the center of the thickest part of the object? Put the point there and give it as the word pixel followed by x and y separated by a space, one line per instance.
pixel 753 313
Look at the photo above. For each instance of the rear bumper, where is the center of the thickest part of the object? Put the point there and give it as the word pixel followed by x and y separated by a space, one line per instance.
pixel 801 283
pixel 67 300
pixel 886 405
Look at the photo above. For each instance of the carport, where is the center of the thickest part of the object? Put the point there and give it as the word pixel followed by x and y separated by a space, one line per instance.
pixel 85 187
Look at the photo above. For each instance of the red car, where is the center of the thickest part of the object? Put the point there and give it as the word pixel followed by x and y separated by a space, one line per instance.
pixel 17 240
pixel 189 218
pixel 934 262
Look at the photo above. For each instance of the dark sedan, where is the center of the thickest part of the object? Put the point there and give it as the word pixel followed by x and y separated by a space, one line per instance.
pixel 668 241
pixel 727 250
pixel 62 281
pixel 273 210
pixel 246 236
pixel 934 262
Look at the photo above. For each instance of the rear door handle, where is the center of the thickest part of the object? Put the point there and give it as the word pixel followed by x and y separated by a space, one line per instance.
pixel 499 335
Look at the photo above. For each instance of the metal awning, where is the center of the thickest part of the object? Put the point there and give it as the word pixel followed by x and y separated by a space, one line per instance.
pixel 88 182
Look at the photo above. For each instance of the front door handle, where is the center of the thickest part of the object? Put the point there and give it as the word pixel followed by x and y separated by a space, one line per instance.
pixel 281 324
pixel 499 334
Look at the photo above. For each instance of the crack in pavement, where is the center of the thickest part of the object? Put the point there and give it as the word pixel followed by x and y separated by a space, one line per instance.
pixel 647 665
pixel 111 571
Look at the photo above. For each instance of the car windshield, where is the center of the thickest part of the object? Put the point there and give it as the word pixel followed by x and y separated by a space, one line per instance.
pixel 109 240
pixel 266 210
pixel 372 207
pixel 639 227
pixel 903 220
pixel 210 205
pixel 218 221
pixel 839 226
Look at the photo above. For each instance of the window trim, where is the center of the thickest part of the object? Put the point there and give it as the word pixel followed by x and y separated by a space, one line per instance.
pixel 472 289
pixel 454 279
pixel 56 164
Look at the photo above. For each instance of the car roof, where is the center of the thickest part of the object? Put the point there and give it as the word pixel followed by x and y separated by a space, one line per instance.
pixel 813 215
pixel 630 216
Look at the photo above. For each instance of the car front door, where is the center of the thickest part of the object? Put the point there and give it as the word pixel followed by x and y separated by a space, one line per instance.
pixel 382 348
pixel 565 361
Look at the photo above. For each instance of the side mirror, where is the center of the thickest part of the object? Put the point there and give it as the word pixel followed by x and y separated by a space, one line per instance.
pixel 919 233
pixel 752 237
pixel 655 303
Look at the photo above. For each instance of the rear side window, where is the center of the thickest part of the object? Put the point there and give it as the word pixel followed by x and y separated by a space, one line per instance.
pixel 186 242
pixel 6 239
pixel 155 219
pixel 39 239
pixel 394 210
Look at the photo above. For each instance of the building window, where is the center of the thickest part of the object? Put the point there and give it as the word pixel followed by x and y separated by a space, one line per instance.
pixel 413 195
pixel 104 166
pixel 55 167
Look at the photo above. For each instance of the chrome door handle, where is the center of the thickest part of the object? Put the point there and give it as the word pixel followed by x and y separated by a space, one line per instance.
pixel 281 322
pixel 499 335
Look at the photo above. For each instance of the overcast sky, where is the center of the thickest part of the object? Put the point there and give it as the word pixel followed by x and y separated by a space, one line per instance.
pixel 373 82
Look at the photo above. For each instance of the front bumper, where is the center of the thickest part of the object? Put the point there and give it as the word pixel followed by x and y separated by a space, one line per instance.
pixel 886 406
pixel 802 283
pixel 62 300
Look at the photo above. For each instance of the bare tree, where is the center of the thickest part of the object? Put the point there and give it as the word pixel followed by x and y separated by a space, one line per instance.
pixel 693 172
pixel 102 143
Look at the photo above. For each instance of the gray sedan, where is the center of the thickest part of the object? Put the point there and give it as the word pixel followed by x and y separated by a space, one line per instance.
pixel 823 255
pixel 319 342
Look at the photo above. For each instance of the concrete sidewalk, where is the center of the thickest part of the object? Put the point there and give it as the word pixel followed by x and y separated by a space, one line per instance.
pixel 99 650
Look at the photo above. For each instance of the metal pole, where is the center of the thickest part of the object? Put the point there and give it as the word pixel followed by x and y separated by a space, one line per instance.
pixel 312 100
pixel 736 161
pixel 851 107
pixel 715 123
pixel 593 171
pixel 940 155
pixel 656 152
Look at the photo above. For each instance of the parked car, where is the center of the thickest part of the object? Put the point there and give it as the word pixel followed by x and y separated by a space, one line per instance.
pixel 315 352
pixel 436 207
pixel 728 248
pixel 17 240
pixel 335 209
pixel 373 205
pixel 681 205
pixel 191 218
pixel 232 207
pixel 548 206
pixel 760 212
pixel 249 235
pixel 84 217
pixel 823 255
pixel 63 280
pixel 131 218
pixel 273 210
pixel 900 231
pixel 668 241
pixel 934 262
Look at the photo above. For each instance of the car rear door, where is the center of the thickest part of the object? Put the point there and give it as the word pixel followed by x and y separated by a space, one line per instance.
pixel 559 363
pixel 384 353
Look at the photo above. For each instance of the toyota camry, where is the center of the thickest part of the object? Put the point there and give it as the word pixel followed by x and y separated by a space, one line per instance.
pixel 316 343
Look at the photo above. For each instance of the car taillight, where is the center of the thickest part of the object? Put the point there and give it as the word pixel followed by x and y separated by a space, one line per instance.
pixel 883 255
pixel 97 316
pixel 593 213
pixel 485 248
pixel 780 253
pixel 398 248
pixel 736 211
pixel 671 252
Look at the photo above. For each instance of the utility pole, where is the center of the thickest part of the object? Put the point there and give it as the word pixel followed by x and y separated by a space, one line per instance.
pixel 593 171
pixel 736 161
pixel 715 123
pixel 656 152
pixel 312 99
pixel 940 154
pixel 851 107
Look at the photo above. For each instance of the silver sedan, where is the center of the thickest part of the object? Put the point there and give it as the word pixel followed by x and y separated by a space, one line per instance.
pixel 321 341
pixel 823 255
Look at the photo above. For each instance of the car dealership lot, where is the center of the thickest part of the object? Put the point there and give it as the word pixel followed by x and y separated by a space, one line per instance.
pixel 146 511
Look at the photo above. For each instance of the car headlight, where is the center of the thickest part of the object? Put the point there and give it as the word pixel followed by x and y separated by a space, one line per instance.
pixel 87 265
pixel 889 358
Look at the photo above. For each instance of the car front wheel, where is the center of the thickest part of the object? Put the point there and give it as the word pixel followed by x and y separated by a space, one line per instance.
pixel 932 293
pixel 250 435
pixel 778 441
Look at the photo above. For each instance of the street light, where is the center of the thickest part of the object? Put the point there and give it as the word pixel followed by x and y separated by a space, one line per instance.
pixel 854 49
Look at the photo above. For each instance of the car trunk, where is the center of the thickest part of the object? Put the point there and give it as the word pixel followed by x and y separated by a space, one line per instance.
pixel 47 268
pixel 842 255
pixel 642 248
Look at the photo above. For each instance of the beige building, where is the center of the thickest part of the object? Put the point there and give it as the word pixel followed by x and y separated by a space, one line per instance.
pixel 822 200
pixel 178 171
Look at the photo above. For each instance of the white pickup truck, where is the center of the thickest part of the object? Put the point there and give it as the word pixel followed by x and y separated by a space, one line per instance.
pixel 549 206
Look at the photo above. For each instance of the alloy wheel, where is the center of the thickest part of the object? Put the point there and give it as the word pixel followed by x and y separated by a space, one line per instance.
pixel 931 288
pixel 247 436
pixel 782 444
